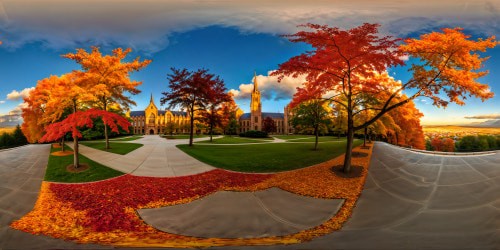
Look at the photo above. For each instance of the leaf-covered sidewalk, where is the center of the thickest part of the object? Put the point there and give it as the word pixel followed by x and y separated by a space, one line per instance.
pixel 105 212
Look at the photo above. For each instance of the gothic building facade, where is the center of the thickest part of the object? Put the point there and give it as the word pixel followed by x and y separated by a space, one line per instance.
pixel 254 119
pixel 154 121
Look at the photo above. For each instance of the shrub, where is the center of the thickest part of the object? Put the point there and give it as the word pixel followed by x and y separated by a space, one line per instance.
pixel 254 134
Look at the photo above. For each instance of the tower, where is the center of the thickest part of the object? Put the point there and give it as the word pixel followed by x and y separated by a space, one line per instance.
pixel 255 106
pixel 151 117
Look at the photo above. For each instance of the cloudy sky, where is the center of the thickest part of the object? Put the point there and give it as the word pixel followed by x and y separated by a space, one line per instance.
pixel 230 38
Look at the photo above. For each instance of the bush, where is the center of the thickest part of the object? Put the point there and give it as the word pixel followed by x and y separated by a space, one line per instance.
pixel 254 134
pixel 14 139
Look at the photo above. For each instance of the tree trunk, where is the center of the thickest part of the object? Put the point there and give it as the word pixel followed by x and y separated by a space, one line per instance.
pixel 105 126
pixel 365 134
pixel 62 143
pixel 350 139
pixel 316 133
pixel 192 129
pixel 211 132
pixel 106 136
pixel 76 160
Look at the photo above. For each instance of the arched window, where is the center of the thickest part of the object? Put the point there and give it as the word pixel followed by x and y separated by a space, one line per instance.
pixel 152 119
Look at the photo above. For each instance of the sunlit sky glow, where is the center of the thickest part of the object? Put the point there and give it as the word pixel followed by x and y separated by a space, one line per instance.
pixel 230 38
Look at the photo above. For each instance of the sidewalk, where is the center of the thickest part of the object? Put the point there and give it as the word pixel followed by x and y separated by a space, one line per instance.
pixel 158 157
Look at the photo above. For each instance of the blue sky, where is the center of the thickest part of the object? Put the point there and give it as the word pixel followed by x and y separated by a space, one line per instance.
pixel 231 39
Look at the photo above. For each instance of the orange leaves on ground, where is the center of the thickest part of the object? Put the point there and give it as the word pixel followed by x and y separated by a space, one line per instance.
pixel 62 153
pixel 105 212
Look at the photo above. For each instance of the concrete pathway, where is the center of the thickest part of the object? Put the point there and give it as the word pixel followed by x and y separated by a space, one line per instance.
pixel 158 157
pixel 271 212
pixel 410 201
pixel 420 201
pixel 21 173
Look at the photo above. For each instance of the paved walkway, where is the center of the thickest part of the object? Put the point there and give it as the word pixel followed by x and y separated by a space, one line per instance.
pixel 270 212
pixel 420 201
pixel 21 174
pixel 158 157
pixel 410 201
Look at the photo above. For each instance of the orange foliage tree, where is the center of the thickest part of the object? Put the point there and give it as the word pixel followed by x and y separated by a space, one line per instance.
pixel 448 145
pixel 109 77
pixel 80 119
pixel 352 65
pixel 409 132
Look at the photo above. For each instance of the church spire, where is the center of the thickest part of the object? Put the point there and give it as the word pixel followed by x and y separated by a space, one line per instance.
pixel 255 85
pixel 151 100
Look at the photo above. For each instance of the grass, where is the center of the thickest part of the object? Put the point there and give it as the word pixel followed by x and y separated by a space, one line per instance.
pixel 56 170
pixel 117 148
pixel 288 137
pixel 272 157
pixel 232 140
pixel 320 139
pixel 184 136
pixel 128 138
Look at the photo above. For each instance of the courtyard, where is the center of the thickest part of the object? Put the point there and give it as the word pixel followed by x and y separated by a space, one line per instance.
pixel 166 198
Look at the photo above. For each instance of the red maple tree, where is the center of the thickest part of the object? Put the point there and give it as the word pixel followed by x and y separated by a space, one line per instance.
pixel 351 66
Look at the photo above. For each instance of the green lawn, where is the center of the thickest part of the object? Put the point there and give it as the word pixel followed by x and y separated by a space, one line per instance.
pixel 184 136
pixel 320 139
pixel 307 138
pixel 233 140
pixel 116 147
pixel 131 138
pixel 272 157
pixel 56 170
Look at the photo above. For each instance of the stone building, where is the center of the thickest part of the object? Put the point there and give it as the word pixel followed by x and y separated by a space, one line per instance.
pixel 153 121
pixel 254 119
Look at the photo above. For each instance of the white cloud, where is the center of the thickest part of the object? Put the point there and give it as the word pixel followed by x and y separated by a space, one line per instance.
pixel 2 102
pixel 16 95
pixel 146 25
pixel 270 88
pixel 489 116
pixel 13 117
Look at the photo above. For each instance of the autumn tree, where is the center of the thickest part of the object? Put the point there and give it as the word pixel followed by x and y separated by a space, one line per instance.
pixel 311 114
pixel 229 119
pixel 80 119
pixel 232 126
pixel 349 63
pixel 437 144
pixel 268 125
pixel 190 90
pixel 216 95
pixel 109 77
pixel 171 127
pixel 448 145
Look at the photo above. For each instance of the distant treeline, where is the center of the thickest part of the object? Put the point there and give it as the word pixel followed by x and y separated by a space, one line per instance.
pixel 469 143
pixel 478 143
pixel 13 139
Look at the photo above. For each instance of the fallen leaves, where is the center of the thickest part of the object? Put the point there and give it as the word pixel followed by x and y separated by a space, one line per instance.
pixel 104 212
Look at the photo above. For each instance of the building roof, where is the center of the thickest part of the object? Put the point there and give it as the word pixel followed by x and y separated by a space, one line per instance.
pixel 264 115
pixel 181 113
pixel 137 113
pixel 273 115
pixel 160 112
pixel 245 116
